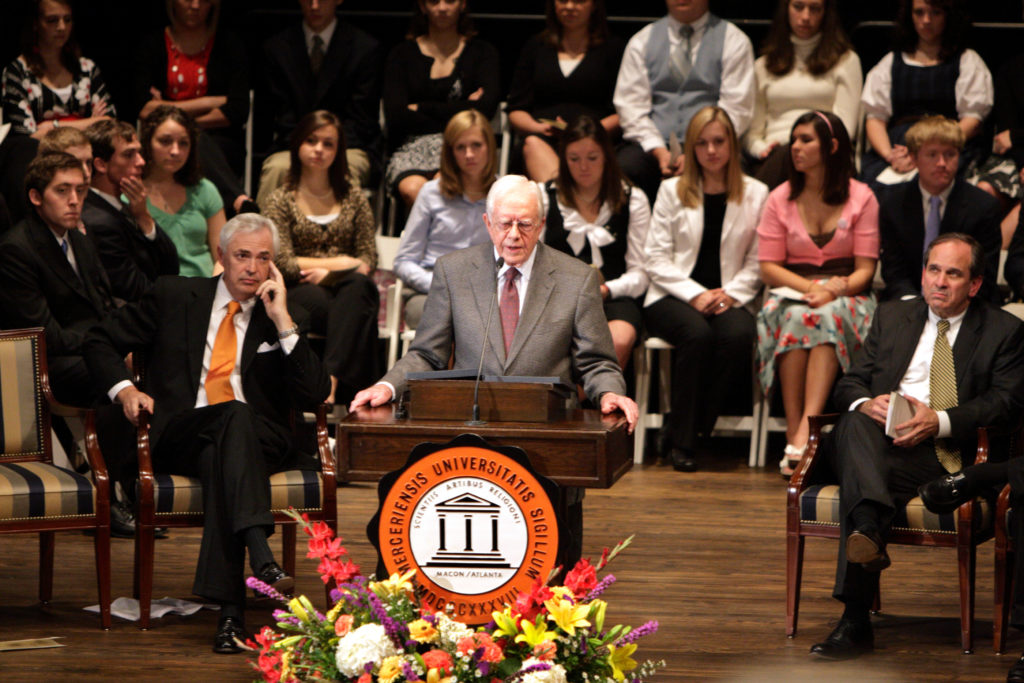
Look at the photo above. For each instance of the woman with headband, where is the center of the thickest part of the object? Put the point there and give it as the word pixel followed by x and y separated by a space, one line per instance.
pixel 818 249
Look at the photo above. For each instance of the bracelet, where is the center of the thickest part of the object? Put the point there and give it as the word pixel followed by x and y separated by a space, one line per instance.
pixel 284 334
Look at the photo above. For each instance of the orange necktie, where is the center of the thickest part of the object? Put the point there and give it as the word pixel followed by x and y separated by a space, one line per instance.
pixel 222 360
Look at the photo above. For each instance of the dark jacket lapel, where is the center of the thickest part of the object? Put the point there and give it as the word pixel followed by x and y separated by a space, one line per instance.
pixel 260 330
pixel 913 226
pixel 485 276
pixel 952 217
pixel 337 57
pixel 197 321
pixel 967 340
pixel 912 328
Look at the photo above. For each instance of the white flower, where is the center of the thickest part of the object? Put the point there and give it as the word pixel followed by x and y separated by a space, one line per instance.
pixel 556 674
pixel 368 643
pixel 451 631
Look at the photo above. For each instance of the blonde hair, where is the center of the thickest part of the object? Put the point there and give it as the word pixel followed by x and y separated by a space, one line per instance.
pixel 451 175
pixel 934 129
pixel 689 186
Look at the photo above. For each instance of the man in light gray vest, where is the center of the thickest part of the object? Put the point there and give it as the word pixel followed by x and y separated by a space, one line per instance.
pixel 686 60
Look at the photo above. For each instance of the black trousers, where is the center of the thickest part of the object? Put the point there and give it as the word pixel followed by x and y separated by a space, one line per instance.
pixel 221 159
pixel 870 468
pixel 641 168
pixel 712 356
pixel 346 314
pixel 232 451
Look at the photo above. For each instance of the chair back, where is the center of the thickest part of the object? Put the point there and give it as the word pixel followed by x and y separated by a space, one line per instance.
pixel 24 417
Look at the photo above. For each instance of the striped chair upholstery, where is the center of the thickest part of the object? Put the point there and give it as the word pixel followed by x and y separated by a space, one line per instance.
pixel 812 509
pixel 21 423
pixel 180 495
pixel 39 490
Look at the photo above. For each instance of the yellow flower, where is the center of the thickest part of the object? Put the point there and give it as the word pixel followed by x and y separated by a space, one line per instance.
pixel 534 634
pixel 566 615
pixel 560 593
pixel 422 632
pixel 619 658
pixel 394 585
pixel 506 623
pixel 297 608
pixel 391 669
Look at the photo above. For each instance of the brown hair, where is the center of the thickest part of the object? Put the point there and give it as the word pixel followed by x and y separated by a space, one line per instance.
pixel 934 129
pixel 778 45
pixel 59 139
pixel 69 54
pixel 582 128
pixel 188 175
pixel 103 133
pixel 451 175
pixel 839 166
pixel 689 186
pixel 420 26
pixel 44 167
pixel 337 174
pixel 954 35
pixel 598 25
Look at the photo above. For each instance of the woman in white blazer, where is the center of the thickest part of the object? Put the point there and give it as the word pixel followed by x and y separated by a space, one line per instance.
pixel 702 261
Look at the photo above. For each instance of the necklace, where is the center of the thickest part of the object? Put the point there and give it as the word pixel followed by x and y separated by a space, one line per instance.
pixel 323 195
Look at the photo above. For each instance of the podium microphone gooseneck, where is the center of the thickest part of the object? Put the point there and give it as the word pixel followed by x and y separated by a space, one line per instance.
pixel 476 421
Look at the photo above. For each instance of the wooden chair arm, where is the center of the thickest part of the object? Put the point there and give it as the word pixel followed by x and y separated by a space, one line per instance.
pixel 810 461
pixel 323 446
pixel 981 454
pixel 147 484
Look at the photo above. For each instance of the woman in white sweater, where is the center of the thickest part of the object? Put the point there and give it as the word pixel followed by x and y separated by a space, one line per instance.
pixel 702 261
pixel 807 63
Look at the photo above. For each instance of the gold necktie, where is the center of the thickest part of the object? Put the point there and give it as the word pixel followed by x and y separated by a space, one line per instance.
pixel 222 359
pixel 942 389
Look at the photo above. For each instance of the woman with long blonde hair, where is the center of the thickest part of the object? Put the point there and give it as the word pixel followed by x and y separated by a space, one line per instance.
pixel 702 261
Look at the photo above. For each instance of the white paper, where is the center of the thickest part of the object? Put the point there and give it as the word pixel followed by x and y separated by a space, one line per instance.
pixel 900 410
pixel 128 608
pixel 787 293
pixel 892 177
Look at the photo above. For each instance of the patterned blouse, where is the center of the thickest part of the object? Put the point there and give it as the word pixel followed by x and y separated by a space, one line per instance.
pixel 350 234
pixel 28 102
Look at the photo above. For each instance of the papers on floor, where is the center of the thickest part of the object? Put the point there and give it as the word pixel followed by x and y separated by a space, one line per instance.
pixel 900 410
pixel 128 608
pixel 30 644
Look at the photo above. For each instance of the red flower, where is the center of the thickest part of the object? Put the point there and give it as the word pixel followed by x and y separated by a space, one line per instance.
pixel 811 319
pixel 365 678
pixel 439 659
pixel 582 579
pixel 481 643
pixel 528 605
pixel 805 340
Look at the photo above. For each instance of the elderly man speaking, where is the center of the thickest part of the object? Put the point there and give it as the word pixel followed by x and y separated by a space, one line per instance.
pixel 550 320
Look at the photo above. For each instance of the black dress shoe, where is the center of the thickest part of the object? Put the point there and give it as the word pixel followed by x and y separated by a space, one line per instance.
pixel 228 630
pixel 849 639
pixel 122 521
pixel 683 460
pixel 946 493
pixel 274 576
pixel 1016 673
pixel 865 547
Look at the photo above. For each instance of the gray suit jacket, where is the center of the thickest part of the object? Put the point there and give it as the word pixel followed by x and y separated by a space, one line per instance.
pixel 562 330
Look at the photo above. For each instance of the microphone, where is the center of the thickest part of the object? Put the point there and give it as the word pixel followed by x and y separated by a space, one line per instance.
pixel 476 421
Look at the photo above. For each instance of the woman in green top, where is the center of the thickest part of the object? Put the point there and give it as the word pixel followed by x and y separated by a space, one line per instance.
pixel 186 205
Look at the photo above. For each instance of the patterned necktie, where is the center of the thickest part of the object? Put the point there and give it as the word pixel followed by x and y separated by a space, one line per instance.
pixel 679 60
pixel 509 307
pixel 316 55
pixel 931 225
pixel 942 388
pixel 222 359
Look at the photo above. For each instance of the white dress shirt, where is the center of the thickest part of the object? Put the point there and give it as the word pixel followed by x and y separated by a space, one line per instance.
pixel 926 202
pixel 633 100
pixel 325 35
pixel 525 270
pixel 61 239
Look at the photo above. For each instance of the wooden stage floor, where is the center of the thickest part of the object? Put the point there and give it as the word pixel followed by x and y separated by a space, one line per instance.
pixel 708 563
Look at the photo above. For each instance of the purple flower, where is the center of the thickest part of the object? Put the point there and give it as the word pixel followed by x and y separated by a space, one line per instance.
pixel 600 588
pixel 408 672
pixel 266 589
pixel 396 630
pixel 540 666
pixel 638 633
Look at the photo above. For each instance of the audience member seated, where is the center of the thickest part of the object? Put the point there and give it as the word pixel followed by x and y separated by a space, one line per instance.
pixel 201 70
pixel 595 215
pixel 911 348
pixel 134 250
pixel 70 140
pixel 449 211
pixel 702 260
pixel 328 252
pixel 49 85
pixel 323 63
pixel 932 71
pixel 681 63
pixel 818 238
pixel 223 422
pixel 566 71
pixel 185 204
pixel 439 70
pixel 912 214
pixel 807 63
pixel 1000 173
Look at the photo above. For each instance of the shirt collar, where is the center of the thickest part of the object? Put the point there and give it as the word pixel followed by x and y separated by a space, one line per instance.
pixel 111 199
pixel 223 297
pixel 525 268
pixel 954 321
pixel 944 195
pixel 698 26
pixel 325 35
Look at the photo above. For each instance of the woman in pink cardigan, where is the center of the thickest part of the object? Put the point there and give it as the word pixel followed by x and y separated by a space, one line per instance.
pixel 818 246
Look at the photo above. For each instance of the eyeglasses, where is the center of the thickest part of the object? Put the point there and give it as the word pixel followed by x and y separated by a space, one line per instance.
pixel 524 226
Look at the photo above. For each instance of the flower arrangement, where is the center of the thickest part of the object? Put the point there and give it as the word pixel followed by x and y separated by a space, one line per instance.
pixel 376 632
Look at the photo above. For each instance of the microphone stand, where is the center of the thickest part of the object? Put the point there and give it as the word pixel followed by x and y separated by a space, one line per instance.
pixel 476 421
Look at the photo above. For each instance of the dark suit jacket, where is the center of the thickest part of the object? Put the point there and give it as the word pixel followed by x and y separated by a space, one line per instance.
pixel 988 355
pixel 562 331
pixel 1013 269
pixel 132 261
pixel 901 226
pixel 348 84
pixel 170 323
pixel 38 287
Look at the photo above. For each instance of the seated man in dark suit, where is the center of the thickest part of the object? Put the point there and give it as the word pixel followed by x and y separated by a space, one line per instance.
pixel 225 366
pixel 323 63
pixel 914 213
pixel 960 362
pixel 134 250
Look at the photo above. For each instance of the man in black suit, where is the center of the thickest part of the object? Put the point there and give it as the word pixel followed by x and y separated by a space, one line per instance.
pixel 960 363
pixel 225 366
pixel 914 213
pixel 328 64
pixel 134 250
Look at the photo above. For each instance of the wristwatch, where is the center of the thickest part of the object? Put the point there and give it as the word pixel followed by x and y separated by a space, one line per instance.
pixel 284 334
